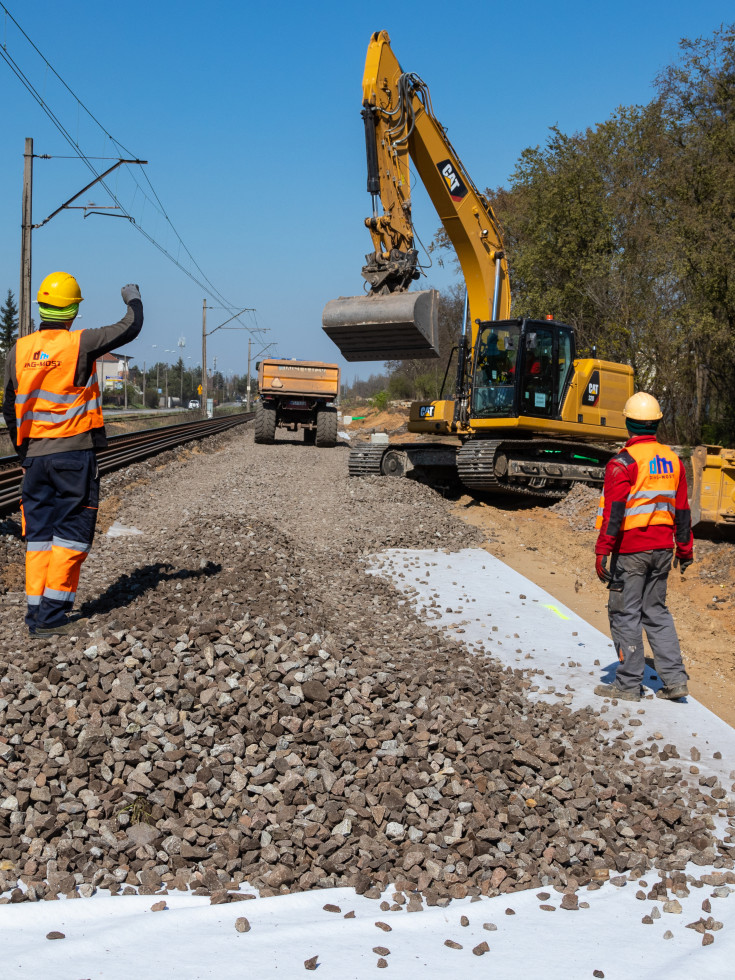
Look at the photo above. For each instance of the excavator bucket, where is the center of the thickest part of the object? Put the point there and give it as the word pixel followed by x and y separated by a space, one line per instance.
pixel 713 486
pixel 384 328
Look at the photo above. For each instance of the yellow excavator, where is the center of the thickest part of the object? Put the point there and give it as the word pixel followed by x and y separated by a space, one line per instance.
pixel 528 415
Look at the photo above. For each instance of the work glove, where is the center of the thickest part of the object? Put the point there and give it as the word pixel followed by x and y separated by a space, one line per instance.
pixel 601 569
pixel 683 563
pixel 130 292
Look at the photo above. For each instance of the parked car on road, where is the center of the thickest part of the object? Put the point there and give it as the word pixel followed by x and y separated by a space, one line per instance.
pixel 194 403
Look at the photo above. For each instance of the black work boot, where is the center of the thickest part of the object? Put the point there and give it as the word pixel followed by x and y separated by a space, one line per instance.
pixel 63 629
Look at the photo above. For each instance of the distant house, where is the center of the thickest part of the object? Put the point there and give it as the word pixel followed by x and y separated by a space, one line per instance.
pixel 111 371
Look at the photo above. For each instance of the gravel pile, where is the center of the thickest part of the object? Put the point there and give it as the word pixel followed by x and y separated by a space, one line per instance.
pixel 245 704
pixel 579 507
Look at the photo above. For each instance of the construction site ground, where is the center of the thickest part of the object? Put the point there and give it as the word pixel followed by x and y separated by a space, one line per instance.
pixel 298 707
pixel 554 547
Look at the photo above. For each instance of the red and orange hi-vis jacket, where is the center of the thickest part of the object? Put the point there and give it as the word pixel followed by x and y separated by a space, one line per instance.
pixel 644 504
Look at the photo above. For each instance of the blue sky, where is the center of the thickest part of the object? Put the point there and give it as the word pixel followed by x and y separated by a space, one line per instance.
pixel 249 116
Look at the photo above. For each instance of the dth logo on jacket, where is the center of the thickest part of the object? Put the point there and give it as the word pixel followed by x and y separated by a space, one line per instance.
pixel 652 497
pixel 47 402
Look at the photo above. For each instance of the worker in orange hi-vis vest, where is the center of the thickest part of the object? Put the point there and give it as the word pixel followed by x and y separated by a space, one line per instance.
pixel 644 522
pixel 53 411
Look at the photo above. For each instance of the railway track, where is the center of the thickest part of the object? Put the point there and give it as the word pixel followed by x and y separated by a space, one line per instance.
pixel 124 450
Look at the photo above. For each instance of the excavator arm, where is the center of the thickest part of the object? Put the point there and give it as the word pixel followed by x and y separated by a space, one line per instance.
pixel 401 130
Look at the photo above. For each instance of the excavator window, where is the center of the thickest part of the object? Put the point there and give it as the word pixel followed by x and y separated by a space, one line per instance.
pixel 495 370
pixel 548 355
pixel 521 368
pixel 537 379
pixel 564 358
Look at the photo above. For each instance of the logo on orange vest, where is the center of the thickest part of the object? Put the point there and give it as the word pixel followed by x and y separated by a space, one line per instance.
pixel 659 466
pixel 41 359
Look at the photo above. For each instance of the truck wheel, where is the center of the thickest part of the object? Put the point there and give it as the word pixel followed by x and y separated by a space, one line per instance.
pixel 326 428
pixel 265 424
pixel 309 437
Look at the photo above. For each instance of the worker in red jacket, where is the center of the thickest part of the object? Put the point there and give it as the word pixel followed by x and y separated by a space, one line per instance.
pixel 643 517
pixel 53 411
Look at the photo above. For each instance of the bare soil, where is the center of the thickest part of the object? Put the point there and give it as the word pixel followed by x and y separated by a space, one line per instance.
pixel 554 547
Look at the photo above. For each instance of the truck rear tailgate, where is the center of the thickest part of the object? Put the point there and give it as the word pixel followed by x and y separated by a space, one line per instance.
pixel 306 378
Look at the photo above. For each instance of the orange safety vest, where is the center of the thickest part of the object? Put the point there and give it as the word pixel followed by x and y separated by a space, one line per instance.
pixel 652 498
pixel 48 405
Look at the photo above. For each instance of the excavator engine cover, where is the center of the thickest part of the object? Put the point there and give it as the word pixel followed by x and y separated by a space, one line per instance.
pixel 384 328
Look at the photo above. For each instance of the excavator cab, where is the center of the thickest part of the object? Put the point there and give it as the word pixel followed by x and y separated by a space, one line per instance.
pixel 522 367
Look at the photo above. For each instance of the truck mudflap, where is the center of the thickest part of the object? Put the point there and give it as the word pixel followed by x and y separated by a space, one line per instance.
pixel 713 486
pixel 379 328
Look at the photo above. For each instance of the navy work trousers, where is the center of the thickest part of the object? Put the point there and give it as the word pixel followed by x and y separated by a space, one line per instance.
pixel 59 500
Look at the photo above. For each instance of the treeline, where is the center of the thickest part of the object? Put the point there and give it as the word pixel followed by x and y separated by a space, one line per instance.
pixel 627 232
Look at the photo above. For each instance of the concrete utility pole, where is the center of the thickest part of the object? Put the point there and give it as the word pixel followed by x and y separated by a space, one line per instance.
pixel 24 298
pixel 203 403
pixel 264 330
pixel 246 309
pixel 247 400
pixel 182 345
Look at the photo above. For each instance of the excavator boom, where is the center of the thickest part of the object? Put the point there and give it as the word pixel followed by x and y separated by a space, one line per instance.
pixel 390 322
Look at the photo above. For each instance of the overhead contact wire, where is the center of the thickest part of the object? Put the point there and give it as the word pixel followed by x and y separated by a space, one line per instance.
pixel 18 72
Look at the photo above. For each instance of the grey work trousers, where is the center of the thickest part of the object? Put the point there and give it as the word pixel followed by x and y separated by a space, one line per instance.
pixel 641 604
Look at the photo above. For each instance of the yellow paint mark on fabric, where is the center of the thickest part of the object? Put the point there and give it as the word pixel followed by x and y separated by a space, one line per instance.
pixel 558 612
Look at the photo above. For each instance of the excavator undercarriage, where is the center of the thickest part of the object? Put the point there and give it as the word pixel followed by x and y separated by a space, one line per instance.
pixel 545 469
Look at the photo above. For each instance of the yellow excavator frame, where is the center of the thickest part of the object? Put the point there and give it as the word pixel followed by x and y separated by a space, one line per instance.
pixel 401 130
pixel 713 486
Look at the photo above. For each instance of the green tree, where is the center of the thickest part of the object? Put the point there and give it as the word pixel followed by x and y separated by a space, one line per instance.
pixel 380 400
pixel 8 322
pixel 697 103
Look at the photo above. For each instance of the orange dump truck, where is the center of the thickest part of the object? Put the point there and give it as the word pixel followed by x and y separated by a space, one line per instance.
pixel 297 395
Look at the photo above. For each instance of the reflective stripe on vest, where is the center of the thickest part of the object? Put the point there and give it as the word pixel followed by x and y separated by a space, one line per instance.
pixel 48 404
pixel 652 498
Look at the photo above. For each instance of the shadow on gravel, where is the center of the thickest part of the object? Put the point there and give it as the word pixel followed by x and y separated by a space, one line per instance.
pixel 300 444
pixel 11 527
pixel 128 588
pixel 508 502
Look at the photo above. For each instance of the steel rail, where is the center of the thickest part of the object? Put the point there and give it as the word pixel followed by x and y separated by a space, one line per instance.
pixel 124 450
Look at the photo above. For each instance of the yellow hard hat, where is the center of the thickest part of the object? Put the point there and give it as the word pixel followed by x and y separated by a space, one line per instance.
pixel 642 407
pixel 59 289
